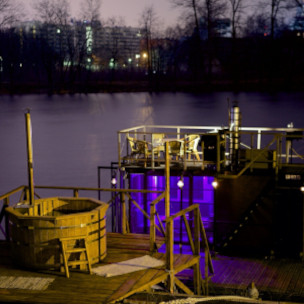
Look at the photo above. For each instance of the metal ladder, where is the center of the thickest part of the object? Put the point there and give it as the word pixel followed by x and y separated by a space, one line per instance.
pixel 76 249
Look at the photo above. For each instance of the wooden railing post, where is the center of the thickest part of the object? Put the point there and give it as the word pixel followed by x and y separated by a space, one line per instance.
pixel 124 213
pixel 196 267
pixel 119 147
pixel 167 197
pixel 76 193
pixel 218 153
pixel 27 193
pixel 152 227
pixel 2 215
pixel 169 255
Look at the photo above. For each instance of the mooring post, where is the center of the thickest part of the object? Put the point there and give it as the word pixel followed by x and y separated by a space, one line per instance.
pixel 29 156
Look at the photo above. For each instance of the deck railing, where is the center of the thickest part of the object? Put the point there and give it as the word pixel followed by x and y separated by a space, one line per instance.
pixel 23 192
pixel 256 148
pixel 196 239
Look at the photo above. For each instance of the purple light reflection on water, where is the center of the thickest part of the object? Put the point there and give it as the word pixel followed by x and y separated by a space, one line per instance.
pixel 202 194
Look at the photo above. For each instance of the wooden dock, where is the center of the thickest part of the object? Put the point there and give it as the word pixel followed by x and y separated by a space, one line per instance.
pixel 84 288
pixel 275 279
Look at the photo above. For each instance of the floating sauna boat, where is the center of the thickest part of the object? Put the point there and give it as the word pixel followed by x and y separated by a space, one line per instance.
pixel 36 230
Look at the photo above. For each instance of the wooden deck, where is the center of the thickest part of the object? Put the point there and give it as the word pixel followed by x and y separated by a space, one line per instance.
pixel 275 279
pixel 84 288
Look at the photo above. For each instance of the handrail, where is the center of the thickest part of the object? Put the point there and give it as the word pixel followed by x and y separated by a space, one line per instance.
pixel 250 163
pixel 199 237
pixel 142 211
pixel 24 189
pixel 6 195
pixel 152 221
pixel 252 138
pixel 266 129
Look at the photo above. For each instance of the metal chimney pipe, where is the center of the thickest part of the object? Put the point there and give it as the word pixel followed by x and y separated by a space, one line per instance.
pixel 235 124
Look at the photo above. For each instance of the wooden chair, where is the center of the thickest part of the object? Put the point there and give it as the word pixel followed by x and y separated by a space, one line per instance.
pixel 192 141
pixel 158 143
pixel 138 147
pixel 176 148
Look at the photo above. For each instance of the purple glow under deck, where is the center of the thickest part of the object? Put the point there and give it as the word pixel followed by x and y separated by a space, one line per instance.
pixel 202 194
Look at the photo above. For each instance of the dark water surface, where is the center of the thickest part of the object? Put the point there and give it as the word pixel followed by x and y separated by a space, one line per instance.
pixel 72 135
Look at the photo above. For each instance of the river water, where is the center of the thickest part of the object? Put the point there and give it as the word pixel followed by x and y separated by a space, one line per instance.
pixel 73 134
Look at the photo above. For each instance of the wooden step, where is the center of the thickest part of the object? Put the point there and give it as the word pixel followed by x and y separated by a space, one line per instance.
pixel 75 263
pixel 66 252
pixel 74 250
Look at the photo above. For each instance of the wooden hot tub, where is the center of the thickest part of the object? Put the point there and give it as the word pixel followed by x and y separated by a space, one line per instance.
pixel 35 230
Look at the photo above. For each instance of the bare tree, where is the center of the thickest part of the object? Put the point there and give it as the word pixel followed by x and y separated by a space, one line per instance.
pixel 191 9
pixel 90 10
pixel 275 10
pixel 57 33
pixel 211 11
pixel 148 24
pixel 10 12
pixel 236 8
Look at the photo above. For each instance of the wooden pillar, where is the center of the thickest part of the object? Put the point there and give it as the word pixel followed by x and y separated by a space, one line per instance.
pixel 206 271
pixel 145 205
pixel 169 255
pixel 152 228
pixel 124 213
pixel 2 215
pixel 196 267
pixel 302 226
pixel 29 157
pixel 167 173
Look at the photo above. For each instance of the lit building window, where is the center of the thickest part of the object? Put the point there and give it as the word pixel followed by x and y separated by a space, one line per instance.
pixel 89 39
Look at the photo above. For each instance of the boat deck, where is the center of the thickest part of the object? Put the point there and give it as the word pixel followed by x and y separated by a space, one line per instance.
pixel 275 279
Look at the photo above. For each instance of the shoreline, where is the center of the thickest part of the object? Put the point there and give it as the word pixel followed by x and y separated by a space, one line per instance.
pixel 152 87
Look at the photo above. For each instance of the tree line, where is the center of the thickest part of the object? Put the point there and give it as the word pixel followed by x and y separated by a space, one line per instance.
pixel 217 44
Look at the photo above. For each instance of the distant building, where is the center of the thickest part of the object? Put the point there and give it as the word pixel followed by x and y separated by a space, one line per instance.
pixel 298 24
pixel 221 27
pixel 98 47
pixel 119 46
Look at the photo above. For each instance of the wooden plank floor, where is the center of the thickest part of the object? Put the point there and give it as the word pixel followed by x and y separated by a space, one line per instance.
pixel 84 288
pixel 278 279
pixel 281 280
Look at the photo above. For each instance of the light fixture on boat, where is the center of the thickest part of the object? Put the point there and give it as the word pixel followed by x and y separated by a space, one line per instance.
pixel 113 181
pixel 180 183
pixel 302 188
pixel 215 184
